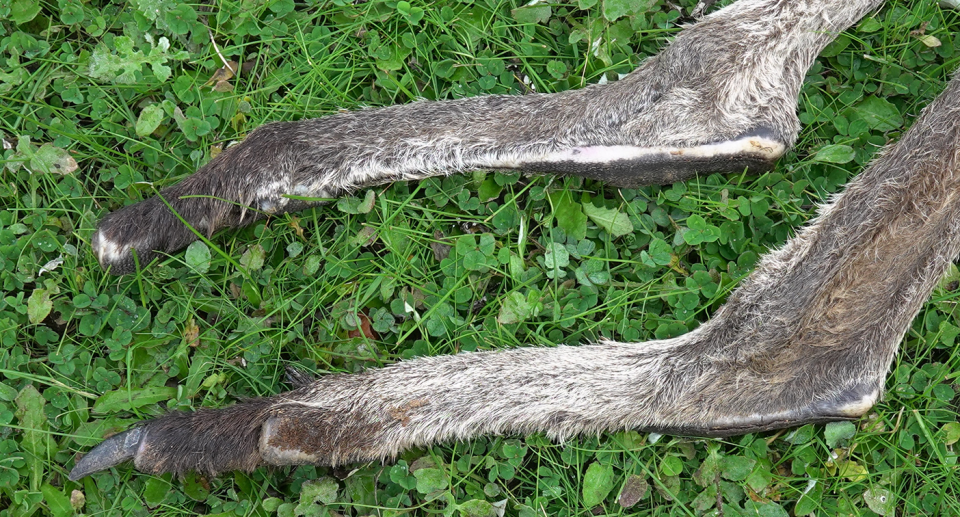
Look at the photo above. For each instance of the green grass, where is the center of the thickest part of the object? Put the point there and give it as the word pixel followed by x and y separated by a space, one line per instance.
pixel 83 353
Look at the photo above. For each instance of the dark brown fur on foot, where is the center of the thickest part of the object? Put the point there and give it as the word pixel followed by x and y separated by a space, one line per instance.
pixel 206 441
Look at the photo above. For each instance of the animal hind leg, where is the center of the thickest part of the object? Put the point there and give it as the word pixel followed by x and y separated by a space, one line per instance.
pixel 808 337
pixel 721 97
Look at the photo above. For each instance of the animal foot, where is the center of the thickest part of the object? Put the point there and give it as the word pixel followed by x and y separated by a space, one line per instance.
pixel 205 441
pixel 243 184
pixel 136 233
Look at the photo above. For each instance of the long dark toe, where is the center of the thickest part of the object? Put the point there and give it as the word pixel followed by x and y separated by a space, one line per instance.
pixel 109 453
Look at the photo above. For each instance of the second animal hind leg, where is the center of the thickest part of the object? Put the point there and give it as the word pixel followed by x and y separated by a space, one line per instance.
pixel 721 97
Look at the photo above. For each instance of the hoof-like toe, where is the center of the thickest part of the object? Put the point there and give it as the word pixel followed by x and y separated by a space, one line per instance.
pixel 136 233
pixel 109 453
pixel 118 256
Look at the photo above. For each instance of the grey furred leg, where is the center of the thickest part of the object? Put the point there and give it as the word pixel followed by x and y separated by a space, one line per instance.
pixel 721 97
pixel 808 337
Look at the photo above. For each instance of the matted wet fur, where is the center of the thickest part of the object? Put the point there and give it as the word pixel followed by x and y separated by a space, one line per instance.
pixel 808 337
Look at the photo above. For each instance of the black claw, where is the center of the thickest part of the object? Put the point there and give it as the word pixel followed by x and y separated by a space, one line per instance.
pixel 112 451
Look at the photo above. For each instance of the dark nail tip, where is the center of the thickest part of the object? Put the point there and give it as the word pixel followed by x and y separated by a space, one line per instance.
pixel 110 452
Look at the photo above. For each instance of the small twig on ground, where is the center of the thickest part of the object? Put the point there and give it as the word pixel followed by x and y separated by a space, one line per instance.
pixel 701 7
pixel 224 60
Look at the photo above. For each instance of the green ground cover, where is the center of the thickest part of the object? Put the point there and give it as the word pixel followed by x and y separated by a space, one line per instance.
pixel 103 103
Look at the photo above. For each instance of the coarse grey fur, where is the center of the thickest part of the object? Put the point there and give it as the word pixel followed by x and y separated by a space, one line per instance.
pixel 721 97
pixel 808 337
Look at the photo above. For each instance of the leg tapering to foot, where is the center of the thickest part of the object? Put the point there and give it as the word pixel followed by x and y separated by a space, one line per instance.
pixel 721 97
